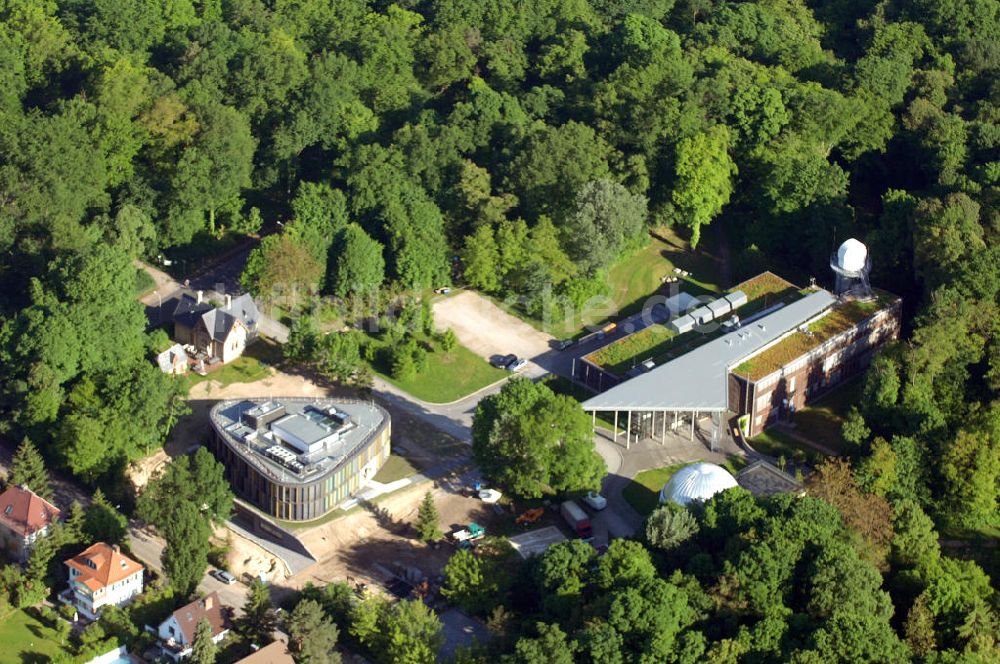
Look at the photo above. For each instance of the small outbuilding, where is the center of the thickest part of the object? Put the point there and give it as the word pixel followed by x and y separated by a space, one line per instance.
pixel 697 482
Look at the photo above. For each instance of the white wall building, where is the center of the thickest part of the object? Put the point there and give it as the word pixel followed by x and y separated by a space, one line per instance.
pixel 99 576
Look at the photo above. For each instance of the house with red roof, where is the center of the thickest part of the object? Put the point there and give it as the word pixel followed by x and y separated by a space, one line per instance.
pixel 25 517
pixel 99 576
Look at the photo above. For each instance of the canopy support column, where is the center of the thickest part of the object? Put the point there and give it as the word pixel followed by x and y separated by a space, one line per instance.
pixel 694 416
pixel 628 431
pixel 595 420
pixel 663 431
pixel 616 426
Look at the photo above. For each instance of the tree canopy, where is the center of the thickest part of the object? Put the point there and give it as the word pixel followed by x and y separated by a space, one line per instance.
pixel 532 441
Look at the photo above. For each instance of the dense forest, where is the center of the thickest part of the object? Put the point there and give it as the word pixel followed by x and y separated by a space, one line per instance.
pixel 371 143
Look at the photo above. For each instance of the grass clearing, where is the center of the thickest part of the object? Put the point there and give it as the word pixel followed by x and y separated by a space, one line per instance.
pixel 26 639
pixel 821 422
pixel 395 468
pixel 143 282
pixel 449 376
pixel 643 492
pixel 777 444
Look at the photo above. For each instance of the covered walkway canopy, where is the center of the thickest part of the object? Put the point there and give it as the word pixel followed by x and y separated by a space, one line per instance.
pixel 697 382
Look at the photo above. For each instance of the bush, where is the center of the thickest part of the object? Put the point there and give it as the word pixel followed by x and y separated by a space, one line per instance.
pixel 448 340
pixel 68 611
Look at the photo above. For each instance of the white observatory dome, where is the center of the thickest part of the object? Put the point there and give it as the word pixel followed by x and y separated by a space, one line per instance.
pixel 852 255
pixel 699 481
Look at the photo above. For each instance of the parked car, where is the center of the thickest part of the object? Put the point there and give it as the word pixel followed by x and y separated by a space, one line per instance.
pixel 442 291
pixel 595 500
pixel 517 364
pixel 563 344
pixel 502 361
pixel 224 576
pixel 489 496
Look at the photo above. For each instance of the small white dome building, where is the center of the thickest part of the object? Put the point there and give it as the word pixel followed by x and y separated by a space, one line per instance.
pixel 697 482
pixel 852 256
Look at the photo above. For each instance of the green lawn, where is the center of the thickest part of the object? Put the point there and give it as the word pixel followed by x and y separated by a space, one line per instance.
pixel 822 421
pixel 776 444
pixel 143 282
pixel 643 492
pixel 396 468
pixel 448 377
pixel 252 366
pixel 25 639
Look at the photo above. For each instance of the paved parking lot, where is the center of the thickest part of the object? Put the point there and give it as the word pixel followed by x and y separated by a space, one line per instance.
pixel 486 329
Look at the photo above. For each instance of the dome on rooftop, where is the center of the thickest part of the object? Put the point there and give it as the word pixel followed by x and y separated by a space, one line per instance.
pixel 852 255
pixel 699 481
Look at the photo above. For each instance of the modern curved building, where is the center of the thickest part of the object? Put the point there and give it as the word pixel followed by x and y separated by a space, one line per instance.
pixel 697 482
pixel 297 458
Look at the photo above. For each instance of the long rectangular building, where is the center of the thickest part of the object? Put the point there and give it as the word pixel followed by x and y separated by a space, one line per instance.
pixel 763 370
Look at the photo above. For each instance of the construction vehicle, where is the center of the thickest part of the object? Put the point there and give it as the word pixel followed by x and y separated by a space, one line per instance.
pixel 470 533
pixel 528 517
pixel 577 519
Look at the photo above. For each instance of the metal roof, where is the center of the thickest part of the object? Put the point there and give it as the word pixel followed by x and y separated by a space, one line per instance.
pixel 697 379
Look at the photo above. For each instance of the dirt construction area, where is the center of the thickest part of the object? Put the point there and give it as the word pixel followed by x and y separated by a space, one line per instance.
pixel 486 329
pixel 374 542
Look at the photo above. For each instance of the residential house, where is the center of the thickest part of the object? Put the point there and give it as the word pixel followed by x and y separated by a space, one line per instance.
pixel 275 652
pixel 24 518
pixel 99 576
pixel 177 631
pixel 216 334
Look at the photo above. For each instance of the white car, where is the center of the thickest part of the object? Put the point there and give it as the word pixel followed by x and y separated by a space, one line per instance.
pixel 489 496
pixel 595 500
pixel 224 576
pixel 517 364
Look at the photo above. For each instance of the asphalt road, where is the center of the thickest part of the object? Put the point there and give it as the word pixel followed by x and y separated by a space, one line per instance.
pixel 148 547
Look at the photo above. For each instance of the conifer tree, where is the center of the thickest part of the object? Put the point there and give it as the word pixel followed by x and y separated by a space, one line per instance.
pixel 428 520
pixel 27 469
pixel 203 649
pixel 74 524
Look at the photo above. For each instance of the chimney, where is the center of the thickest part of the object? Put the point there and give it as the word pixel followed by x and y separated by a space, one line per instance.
pixel 208 602
pixel 229 301
pixel 200 295
pixel 116 548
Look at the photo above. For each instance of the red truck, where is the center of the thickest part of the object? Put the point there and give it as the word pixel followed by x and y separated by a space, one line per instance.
pixel 577 519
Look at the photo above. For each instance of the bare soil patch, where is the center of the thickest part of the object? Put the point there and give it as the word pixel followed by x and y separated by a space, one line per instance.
pixel 486 329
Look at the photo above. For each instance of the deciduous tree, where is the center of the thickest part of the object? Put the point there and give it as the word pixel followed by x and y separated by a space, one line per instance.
pixel 704 178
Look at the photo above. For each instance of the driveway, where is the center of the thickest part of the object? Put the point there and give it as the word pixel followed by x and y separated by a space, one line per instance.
pixel 148 547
